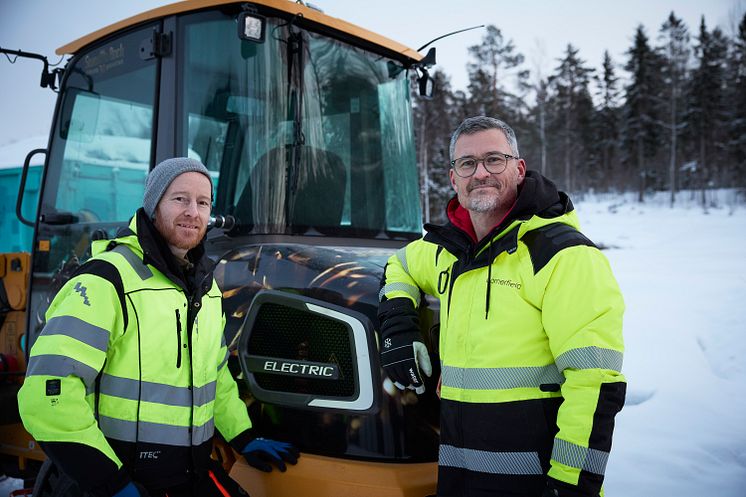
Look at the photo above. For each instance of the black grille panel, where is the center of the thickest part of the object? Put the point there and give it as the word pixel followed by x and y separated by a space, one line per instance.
pixel 284 332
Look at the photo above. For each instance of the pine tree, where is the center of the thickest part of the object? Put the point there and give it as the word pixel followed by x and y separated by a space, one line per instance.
pixel 493 63
pixel 434 122
pixel 674 53
pixel 641 129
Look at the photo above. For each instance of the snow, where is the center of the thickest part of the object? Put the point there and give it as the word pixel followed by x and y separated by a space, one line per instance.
pixel 683 274
pixel 13 154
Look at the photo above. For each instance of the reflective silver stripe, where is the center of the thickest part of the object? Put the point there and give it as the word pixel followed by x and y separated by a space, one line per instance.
pixel 76 328
pixel 60 365
pixel 569 454
pixel 500 378
pixel 181 436
pixel 203 433
pixel 204 394
pixel 225 360
pixel 157 393
pixel 401 254
pixel 142 270
pixel 483 461
pixel 591 358
pixel 411 290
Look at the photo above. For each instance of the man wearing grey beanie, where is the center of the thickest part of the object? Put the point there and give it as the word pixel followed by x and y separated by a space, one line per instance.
pixel 148 352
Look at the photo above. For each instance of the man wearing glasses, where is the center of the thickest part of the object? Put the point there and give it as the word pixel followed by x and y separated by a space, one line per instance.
pixel 530 328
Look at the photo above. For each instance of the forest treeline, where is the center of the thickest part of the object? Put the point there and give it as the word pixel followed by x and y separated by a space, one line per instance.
pixel 670 116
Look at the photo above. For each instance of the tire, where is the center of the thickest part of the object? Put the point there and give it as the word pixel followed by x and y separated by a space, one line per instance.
pixel 51 482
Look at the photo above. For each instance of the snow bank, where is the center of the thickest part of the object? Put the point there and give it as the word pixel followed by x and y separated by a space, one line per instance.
pixel 683 274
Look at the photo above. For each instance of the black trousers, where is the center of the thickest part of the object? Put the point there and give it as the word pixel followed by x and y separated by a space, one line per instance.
pixel 216 483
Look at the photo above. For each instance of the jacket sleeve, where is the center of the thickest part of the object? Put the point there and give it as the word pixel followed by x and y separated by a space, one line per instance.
pixel 231 415
pixel 408 273
pixel 56 401
pixel 582 315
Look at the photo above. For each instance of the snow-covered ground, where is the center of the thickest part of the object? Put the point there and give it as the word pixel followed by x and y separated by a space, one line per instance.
pixel 682 432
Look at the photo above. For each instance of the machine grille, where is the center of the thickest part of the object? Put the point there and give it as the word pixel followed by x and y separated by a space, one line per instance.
pixel 284 332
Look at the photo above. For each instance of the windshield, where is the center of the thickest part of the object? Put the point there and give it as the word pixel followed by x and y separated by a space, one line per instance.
pixel 305 134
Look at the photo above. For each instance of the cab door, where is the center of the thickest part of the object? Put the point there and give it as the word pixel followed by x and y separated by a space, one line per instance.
pixel 101 149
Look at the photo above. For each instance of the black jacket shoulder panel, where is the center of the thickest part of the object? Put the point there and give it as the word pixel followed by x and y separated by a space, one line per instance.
pixel 107 271
pixel 545 242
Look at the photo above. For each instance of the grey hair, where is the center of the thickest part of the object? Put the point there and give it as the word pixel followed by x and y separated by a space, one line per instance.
pixel 472 125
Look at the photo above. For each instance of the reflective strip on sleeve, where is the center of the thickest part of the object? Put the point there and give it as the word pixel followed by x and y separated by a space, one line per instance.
pixel 62 366
pixel 142 270
pixel 497 463
pixel 182 436
pixel 401 254
pixel 410 290
pixel 500 378
pixel 575 456
pixel 80 330
pixel 590 358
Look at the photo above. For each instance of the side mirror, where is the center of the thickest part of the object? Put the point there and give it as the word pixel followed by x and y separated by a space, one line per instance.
pixel 426 84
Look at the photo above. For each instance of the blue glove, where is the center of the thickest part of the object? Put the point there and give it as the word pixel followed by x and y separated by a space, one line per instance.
pixel 261 451
pixel 129 491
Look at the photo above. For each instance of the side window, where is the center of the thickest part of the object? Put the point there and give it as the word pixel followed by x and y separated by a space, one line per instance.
pixel 102 144
pixel 101 148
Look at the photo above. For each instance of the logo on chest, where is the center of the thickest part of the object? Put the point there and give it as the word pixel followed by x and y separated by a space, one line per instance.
pixel 505 282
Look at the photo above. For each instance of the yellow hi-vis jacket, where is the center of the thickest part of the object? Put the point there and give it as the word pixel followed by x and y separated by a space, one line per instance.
pixel 530 347
pixel 129 376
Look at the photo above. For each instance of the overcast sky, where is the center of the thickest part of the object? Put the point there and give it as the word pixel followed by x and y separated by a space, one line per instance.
pixel 540 29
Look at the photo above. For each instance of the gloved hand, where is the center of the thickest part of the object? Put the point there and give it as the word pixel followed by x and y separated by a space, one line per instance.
pixel 261 451
pixel 403 357
pixel 129 491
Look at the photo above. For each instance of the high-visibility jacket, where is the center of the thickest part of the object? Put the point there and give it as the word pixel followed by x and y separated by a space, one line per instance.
pixel 129 376
pixel 530 346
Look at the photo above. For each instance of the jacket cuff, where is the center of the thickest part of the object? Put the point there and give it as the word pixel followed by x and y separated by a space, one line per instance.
pixel 562 489
pixel 239 441
pixel 88 467
pixel 109 488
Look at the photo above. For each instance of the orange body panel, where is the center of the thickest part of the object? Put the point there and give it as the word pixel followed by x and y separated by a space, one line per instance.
pixel 294 8
pixel 15 441
pixel 319 476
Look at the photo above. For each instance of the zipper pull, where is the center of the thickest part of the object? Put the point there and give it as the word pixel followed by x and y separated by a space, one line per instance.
pixel 178 339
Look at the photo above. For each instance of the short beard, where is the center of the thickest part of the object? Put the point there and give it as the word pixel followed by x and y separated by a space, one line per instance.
pixel 483 204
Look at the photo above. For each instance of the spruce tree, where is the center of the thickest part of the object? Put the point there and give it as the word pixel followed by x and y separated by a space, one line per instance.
pixel 607 123
pixel 737 108
pixel 674 52
pixel 706 118
pixel 641 130
pixel 573 108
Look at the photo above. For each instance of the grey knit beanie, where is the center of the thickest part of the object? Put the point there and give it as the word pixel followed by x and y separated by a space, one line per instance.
pixel 163 174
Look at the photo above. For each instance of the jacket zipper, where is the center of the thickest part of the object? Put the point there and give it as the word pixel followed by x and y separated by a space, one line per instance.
pixel 178 339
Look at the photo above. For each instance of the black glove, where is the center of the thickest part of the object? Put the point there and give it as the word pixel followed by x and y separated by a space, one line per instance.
pixel 403 355
pixel 261 451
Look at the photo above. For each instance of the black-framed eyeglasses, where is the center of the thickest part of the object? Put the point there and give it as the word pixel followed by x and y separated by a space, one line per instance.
pixel 494 163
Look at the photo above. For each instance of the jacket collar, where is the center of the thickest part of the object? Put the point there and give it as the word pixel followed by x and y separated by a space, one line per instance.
pixel 537 196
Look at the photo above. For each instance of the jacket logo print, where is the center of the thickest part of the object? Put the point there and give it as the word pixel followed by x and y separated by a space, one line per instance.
pixel 506 282
pixel 81 290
